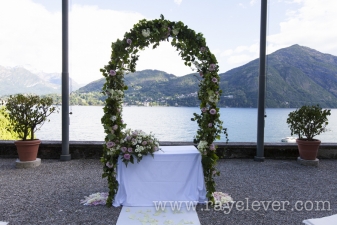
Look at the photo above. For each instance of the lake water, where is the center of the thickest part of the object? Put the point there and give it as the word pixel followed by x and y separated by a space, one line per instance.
pixel 174 124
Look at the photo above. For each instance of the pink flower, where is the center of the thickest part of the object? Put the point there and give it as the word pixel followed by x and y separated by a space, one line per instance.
pixel 115 127
pixel 204 109
pixel 129 41
pixel 214 80
pixel 127 156
pixel 212 147
pixel 124 149
pixel 212 67
pixel 128 138
pixel 112 73
pixel 129 149
pixel 201 74
pixel 144 143
pixel 210 125
pixel 109 165
pixel 202 49
pixel 110 144
pixel 212 111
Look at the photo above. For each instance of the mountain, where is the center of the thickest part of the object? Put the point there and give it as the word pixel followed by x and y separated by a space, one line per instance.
pixel 295 76
pixel 153 86
pixel 20 80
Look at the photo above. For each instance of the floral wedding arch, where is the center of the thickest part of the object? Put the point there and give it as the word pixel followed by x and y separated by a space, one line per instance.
pixel 194 51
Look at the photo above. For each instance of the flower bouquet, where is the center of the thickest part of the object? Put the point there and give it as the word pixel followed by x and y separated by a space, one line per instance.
pixel 222 199
pixel 95 199
pixel 135 145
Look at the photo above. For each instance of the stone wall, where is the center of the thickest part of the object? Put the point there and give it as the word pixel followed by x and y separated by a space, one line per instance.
pixel 93 150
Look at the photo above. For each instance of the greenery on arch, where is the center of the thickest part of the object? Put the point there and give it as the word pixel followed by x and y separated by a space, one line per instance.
pixel 194 51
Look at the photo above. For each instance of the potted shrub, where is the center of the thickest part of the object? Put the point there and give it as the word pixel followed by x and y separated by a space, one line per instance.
pixel 26 114
pixel 307 122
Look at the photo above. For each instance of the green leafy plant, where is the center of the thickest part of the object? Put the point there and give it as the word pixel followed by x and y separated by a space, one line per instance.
pixel 6 128
pixel 308 121
pixel 27 113
pixel 193 50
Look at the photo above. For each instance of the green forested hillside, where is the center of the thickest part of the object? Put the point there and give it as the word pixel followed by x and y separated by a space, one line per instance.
pixel 296 76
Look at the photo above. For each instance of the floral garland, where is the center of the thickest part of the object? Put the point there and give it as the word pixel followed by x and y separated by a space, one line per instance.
pixel 194 51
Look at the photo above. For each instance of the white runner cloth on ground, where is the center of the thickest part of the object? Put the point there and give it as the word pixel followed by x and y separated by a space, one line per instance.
pixel 174 174
pixel 149 215
pixel 328 220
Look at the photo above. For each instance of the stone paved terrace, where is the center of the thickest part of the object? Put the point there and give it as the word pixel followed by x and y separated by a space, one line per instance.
pixel 51 193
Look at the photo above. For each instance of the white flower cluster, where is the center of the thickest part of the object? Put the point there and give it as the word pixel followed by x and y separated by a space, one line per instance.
pixel 175 32
pixel 140 142
pixel 139 148
pixel 213 98
pixel 95 199
pixel 116 94
pixel 113 118
pixel 202 146
pixel 222 198
pixel 146 32
pixel 113 150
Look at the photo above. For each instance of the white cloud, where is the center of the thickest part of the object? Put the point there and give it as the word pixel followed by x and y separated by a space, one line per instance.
pixel 33 39
pixel 165 58
pixel 312 25
pixel 240 59
pixel 178 2
pixel 31 35
pixel 252 2
pixel 227 52
pixel 92 30
pixel 240 49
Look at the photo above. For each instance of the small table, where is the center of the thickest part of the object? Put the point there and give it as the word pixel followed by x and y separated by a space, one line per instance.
pixel 174 174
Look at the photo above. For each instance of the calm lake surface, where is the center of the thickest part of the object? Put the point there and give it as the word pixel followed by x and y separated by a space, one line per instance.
pixel 174 124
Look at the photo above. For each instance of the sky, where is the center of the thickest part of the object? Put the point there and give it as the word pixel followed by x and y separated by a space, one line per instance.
pixel 31 31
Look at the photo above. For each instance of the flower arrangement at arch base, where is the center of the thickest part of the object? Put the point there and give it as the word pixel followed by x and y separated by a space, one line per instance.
pixel 135 145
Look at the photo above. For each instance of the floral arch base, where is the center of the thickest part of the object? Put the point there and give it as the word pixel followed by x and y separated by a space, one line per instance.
pixel 194 51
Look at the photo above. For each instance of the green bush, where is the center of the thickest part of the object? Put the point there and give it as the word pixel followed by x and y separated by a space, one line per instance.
pixel 6 129
pixel 308 121
pixel 27 112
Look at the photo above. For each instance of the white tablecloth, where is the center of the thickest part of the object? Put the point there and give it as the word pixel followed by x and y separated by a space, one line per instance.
pixel 174 174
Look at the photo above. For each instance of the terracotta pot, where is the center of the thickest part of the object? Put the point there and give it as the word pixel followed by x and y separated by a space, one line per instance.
pixel 308 149
pixel 27 150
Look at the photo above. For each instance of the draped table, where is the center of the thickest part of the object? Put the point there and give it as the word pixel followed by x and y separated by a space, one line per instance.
pixel 174 174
